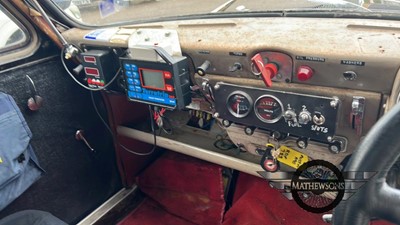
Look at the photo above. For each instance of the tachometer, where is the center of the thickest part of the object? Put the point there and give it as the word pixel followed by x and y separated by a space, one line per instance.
pixel 268 109
pixel 239 104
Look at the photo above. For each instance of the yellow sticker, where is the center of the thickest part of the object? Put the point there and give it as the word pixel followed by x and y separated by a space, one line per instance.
pixel 291 157
pixel 1 160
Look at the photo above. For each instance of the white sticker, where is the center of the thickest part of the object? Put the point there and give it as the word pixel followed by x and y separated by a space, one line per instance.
pixel 101 34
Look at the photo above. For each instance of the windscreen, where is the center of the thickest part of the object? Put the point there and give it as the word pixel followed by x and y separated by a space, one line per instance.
pixel 106 12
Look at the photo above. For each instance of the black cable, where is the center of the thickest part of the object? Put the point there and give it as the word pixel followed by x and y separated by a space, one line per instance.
pixel 116 140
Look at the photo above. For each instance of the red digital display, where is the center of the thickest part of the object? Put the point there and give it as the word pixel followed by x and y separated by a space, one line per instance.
pixel 89 59
pixel 92 71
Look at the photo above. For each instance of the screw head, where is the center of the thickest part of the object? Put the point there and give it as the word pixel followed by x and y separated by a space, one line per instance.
pixel 334 102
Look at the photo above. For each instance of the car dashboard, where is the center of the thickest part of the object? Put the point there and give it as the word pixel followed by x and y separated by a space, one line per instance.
pixel 314 86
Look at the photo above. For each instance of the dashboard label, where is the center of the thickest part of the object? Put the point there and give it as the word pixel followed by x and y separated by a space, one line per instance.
pixel 352 63
pixel 310 58
pixel 204 52
pixel 237 53
pixel 319 129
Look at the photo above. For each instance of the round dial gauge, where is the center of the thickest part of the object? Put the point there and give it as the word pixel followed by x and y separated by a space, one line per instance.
pixel 239 104
pixel 268 109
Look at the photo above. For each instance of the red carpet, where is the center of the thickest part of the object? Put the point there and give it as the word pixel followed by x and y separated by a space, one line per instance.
pixel 186 187
pixel 186 191
pixel 256 203
pixel 150 213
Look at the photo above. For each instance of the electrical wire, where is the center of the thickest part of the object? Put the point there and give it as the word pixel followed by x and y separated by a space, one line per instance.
pixel 162 121
pixel 116 140
pixel 78 82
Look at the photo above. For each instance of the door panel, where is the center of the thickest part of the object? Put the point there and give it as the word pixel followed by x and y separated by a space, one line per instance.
pixel 76 180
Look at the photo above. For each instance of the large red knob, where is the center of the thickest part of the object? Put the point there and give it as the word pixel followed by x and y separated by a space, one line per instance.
pixel 268 71
pixel 304 73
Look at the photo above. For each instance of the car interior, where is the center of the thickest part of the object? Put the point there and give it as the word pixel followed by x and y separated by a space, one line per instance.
pixel 200 112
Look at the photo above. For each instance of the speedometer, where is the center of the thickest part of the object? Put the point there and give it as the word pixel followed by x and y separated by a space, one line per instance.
pixel 268 109
pixel 239 104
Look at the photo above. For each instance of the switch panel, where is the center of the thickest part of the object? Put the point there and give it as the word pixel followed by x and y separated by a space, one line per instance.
pixel 296 114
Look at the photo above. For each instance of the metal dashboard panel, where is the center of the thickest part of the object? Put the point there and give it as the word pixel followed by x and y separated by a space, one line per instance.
pixel 268 108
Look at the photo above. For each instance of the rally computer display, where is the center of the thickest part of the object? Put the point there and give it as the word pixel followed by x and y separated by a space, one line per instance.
pixel 163 82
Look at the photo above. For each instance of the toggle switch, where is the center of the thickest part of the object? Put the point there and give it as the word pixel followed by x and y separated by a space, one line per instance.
pixel 357 113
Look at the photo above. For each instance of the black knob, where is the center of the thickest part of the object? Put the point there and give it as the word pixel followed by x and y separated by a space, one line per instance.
pixel 201 70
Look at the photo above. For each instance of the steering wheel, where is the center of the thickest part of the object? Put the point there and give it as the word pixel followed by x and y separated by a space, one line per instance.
pixel 377 152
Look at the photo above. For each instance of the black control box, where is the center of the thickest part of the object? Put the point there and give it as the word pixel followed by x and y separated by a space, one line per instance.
pixel 99 67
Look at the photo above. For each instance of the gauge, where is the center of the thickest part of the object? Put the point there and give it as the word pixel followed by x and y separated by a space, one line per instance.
pixel 268 108
pixel 239 104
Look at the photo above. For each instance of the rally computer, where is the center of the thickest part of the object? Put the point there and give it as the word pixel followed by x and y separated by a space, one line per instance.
pixel 161 81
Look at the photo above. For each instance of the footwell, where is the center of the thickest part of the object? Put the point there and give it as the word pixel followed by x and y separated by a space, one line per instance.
pixel 183 191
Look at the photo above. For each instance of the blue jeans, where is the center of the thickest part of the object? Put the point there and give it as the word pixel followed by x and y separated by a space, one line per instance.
pixel 31 217
pixel 19 167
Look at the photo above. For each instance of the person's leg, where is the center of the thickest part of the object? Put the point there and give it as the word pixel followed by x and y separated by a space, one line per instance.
pixel 31 217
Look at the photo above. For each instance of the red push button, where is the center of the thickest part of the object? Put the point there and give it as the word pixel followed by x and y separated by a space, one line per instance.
pixel 167 75
pixel 304 73
pixel 169 87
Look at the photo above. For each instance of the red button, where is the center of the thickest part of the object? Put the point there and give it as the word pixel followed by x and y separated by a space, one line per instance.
pixel 304 73
pixel 169 87
pixel 167 75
